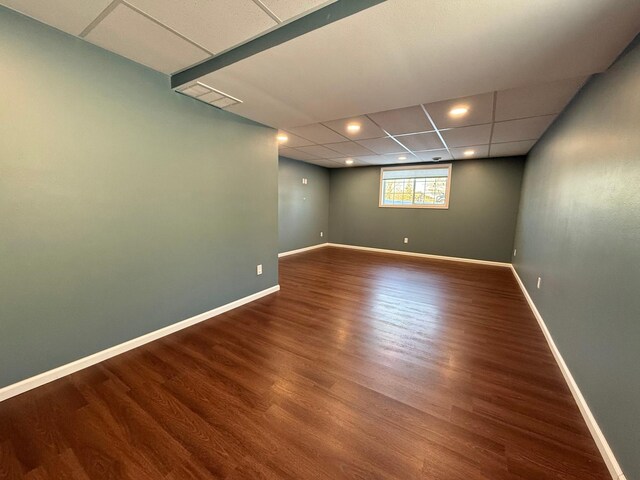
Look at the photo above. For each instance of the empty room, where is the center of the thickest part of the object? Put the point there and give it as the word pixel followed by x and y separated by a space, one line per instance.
pixel 320 240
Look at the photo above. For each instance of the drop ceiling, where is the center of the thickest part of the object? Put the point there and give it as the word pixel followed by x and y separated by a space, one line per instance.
pixel 494 124
pixel 166 35
pixel 396 68
pixel 405 52
pixel 518 62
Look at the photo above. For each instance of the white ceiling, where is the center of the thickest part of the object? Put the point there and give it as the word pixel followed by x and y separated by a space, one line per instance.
pixel 135 36
pixel 496 124
pixel 405 52
pixel 71 16
pixel 389 68
pixel 166 35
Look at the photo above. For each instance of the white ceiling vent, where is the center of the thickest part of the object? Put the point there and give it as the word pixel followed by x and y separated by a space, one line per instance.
pixel 210 95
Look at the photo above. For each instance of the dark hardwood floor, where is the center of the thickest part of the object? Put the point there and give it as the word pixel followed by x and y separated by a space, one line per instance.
pixel 364 366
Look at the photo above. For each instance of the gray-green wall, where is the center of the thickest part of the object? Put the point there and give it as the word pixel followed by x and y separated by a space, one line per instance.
pixel 303 210
pixel 124 207
pixel 579 229
pixel 480 222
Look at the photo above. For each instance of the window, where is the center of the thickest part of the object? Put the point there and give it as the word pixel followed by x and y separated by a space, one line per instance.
pixel 423 186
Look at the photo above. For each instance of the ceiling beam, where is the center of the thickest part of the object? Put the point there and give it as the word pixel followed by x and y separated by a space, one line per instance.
pixel 318 19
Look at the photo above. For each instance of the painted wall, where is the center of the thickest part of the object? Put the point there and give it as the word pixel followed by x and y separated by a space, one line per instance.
pixel 480 222
pixel 579 229
pixel 124 207
pixel 303 210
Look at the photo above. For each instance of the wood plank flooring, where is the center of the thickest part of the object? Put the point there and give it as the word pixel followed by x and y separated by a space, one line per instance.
pixel 364 366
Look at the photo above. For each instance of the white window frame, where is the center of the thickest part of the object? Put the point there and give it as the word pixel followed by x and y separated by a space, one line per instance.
pixel 417 167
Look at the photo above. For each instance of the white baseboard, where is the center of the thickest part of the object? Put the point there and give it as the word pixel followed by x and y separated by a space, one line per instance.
pixel 300 250
pixel 596 433
pixel 51 375
pixel 423 255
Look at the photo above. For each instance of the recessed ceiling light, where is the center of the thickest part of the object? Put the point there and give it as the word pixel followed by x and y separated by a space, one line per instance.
pixel 349 161
pixel 353 127
pixel 402 157
pixel 458 111
pixel 468 153
pixel 282 138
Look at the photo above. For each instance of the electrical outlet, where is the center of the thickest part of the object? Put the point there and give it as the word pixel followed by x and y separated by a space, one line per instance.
pixel 406 240
pixel 539 282
pixel 515 252
pixel 259 270
pixel 322 234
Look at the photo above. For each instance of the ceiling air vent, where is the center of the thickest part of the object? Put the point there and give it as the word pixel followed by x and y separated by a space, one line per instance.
pixel 210 95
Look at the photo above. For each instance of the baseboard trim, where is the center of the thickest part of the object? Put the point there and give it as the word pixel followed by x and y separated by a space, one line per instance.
pixel 51 375
pixel 596 433
pixel 423 255
pixel 300 250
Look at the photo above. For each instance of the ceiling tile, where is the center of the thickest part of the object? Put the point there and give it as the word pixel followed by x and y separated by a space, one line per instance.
pixel 479 151
pixel 378 160
pixel 389 159
pixel 216 25
pixel 286 152
pixel 127 33
pixel 368 129
pixel 286 9
pixel 511 148
pixel 319 151
pixel 524 129
pixel 294 141
pixel 342 162
pixel 463 136
pixel 296 154
pixel 71 16
pixel 400 157
pixel 421 141
pixel 403 120
pixel 321 162
pixel 480 110
pixel 382 145
pixel 349 148
pixel 537 100
pixel 374 159
pixel 429 155
pixel 317 133
pixel 394 160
